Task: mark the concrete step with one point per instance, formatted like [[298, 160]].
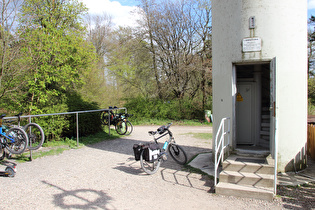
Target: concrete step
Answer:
[[265, 125], [247, 179], [244, 191], [265, 133], [265, 117], [245, 164]]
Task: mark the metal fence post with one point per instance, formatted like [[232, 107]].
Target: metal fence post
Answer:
[[30, 142], [77, 114], [109, 123]]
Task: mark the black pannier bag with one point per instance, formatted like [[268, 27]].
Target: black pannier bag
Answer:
[[151, 152], [137, 149]]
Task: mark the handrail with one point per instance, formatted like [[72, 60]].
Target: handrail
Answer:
[[66, 113], [220, 144]]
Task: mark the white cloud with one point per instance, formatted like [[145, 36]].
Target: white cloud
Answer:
[[121, 15], [310, 4]]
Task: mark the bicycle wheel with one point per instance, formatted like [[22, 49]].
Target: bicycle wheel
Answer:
[[149, 167], [35, 135], [2, 153], [104, 118], [129, 128], [20, 140], [10, 172], [177, 153], [121, 127]]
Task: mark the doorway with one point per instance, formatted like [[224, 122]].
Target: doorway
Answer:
[[252, 102]]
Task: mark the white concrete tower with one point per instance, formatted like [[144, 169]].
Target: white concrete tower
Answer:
[[260, 76]]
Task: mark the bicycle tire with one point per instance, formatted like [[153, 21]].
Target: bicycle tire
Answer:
[[177, 153], [20, 140], [10, 172], [2, 152], [129, 128], [104, 118], [121, 127], [149, 167], [35, 135]]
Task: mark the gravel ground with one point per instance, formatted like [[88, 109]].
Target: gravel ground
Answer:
[[106, 176]]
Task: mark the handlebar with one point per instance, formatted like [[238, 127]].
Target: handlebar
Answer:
[[161, 129]]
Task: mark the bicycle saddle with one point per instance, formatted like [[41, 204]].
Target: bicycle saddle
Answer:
[[152, 132]]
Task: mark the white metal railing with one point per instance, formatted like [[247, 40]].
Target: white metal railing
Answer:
[[220, 146]]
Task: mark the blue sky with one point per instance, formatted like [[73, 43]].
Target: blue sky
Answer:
[[311, 8], [120, 10]]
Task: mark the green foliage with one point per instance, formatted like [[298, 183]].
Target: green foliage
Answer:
[[206, 136], [311, 96], [89, 123], [311, 90], [56, 52], [182, 109], [53, 126]]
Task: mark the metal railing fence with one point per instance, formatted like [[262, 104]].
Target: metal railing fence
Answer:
[[68, 113]]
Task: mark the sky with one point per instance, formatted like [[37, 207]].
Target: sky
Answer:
[[120, 10], [310, 8]]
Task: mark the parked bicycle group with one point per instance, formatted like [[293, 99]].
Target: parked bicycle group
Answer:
[[15, 139], [120, 120]]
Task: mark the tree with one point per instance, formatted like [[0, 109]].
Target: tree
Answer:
[[11, 61], [129, 61], [178, 31], [54, 46], [311, 39]]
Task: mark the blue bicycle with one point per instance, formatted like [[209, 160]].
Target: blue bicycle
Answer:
[[15, 140]]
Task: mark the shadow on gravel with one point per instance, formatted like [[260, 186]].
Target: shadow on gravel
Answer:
[[80, 199], [125, 146], [297, 197]]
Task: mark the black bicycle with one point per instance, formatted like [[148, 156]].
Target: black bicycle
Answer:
[[34, 132], [122, 125], [151, 155]]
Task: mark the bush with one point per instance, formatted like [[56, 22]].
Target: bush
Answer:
[[89, 123], [158, 109], [53, 126]]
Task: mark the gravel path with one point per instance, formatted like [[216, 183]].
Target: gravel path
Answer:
[[106, 176]]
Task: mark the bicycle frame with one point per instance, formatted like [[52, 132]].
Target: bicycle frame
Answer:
[[4, 134], [167, 142]]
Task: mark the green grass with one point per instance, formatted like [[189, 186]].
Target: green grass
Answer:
[[201, 135], [57, 147]]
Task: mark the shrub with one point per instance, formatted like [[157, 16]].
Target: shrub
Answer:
[[89, 123], [158, 109]]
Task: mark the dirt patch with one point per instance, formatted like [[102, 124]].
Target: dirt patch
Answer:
[[297, 197]]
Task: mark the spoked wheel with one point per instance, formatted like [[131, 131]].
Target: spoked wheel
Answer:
[[177, 153], [2, 153], [10, 172], [150, 167], [19, 141], [121, 127], [105, 118], [129, 128], [35, 135]]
